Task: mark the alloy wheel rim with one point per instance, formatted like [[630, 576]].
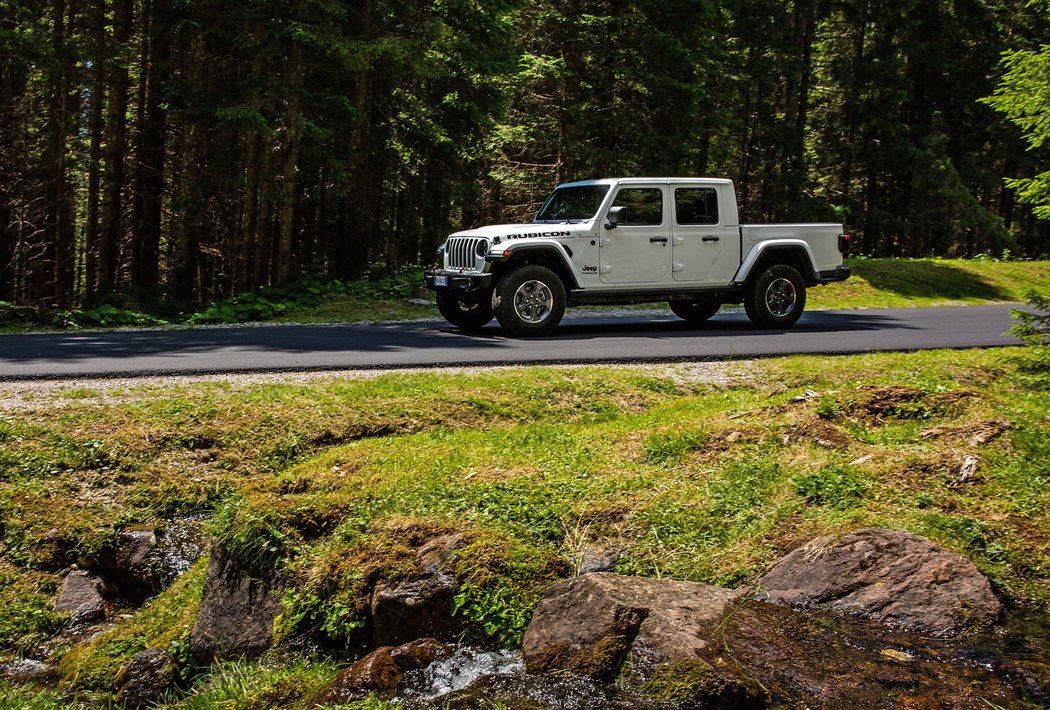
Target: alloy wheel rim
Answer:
[[533, 301], [781, 297]]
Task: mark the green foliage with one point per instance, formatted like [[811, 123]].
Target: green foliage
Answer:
[[105, 316], [245, 685], [255, 538], [838, 487], [31, 697], [1033, 368], [666, 448], [268, 303], [1023, 95], [500, 611], [27, 613], [309, 293]]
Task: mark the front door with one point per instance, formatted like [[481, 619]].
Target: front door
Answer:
[[638, 250]]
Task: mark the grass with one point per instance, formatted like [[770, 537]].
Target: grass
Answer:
[[906, 283], [703, 472]]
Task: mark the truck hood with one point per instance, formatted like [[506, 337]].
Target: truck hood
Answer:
[[527, 231]]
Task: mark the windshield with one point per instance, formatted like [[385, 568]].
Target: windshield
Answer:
[[572, 203]]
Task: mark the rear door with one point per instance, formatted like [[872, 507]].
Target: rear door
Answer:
[[638, 250], [700, 239]]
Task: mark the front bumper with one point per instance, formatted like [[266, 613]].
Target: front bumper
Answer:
[[466, 287]]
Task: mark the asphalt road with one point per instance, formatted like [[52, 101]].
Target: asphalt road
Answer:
[[631, 338]]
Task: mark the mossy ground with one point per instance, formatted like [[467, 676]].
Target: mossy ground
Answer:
[[702, 472]]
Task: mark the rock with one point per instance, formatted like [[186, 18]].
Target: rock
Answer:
[[589, 624], [420, 606], [377, 673], [145, 678], [136, 566], [433, 555], [599, 559], [821, 660], [421, 653], [416, 609], [891, 576], [82, 595], [237, 611], [382, 670], [27, 670]]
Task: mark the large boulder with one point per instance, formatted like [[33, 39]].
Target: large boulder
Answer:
[[894, 577], [589, 624], [237, 610], [672, 644]]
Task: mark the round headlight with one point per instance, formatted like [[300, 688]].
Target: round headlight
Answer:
[[482, 249]]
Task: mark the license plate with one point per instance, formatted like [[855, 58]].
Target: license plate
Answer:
[[441, 281]]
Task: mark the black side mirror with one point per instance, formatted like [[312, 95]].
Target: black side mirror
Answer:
[[613, 218]]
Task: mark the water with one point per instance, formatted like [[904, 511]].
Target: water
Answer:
[[184, 541], [458, 671]]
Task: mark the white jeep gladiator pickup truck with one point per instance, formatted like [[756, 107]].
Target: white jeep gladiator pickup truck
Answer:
[[634, 240]]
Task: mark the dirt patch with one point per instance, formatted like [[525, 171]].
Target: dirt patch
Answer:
[[879, 403], [976, 434], [819, 432]]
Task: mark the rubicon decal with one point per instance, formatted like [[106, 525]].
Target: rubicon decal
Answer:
[[539, 235]]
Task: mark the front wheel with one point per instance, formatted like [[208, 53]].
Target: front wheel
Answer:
[[464, 316], [776, 297], [529, 301], [694, 311]]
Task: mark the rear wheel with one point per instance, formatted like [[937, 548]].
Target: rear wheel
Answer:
[[529, 301], [776, 297], [465, 316], [694, 311]]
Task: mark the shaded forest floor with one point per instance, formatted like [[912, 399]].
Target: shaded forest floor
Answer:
[[876, 283]]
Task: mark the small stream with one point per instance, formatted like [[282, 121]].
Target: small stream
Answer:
[[458, 671]]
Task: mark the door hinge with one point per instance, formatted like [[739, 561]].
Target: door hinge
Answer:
[[604, 242], [606, 268], [677, 241], [678, 267]]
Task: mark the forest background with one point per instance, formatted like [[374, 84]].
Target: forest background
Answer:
[[168, 153]]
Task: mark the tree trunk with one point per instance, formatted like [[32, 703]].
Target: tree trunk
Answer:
[[111, 228], [54, 277], [287, 192], [149, 176], [98, 91]]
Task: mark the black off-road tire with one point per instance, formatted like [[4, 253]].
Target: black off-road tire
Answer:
[[463, 315], [529, 301], [694, 311], [775, 297]]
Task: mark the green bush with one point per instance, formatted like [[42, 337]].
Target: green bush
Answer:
[[104, 316], [1033, 367]]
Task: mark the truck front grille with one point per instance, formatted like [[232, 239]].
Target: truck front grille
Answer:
[[462, 253]]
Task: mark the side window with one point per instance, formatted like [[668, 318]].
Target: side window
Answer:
[[696, 205], [645, 206]]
